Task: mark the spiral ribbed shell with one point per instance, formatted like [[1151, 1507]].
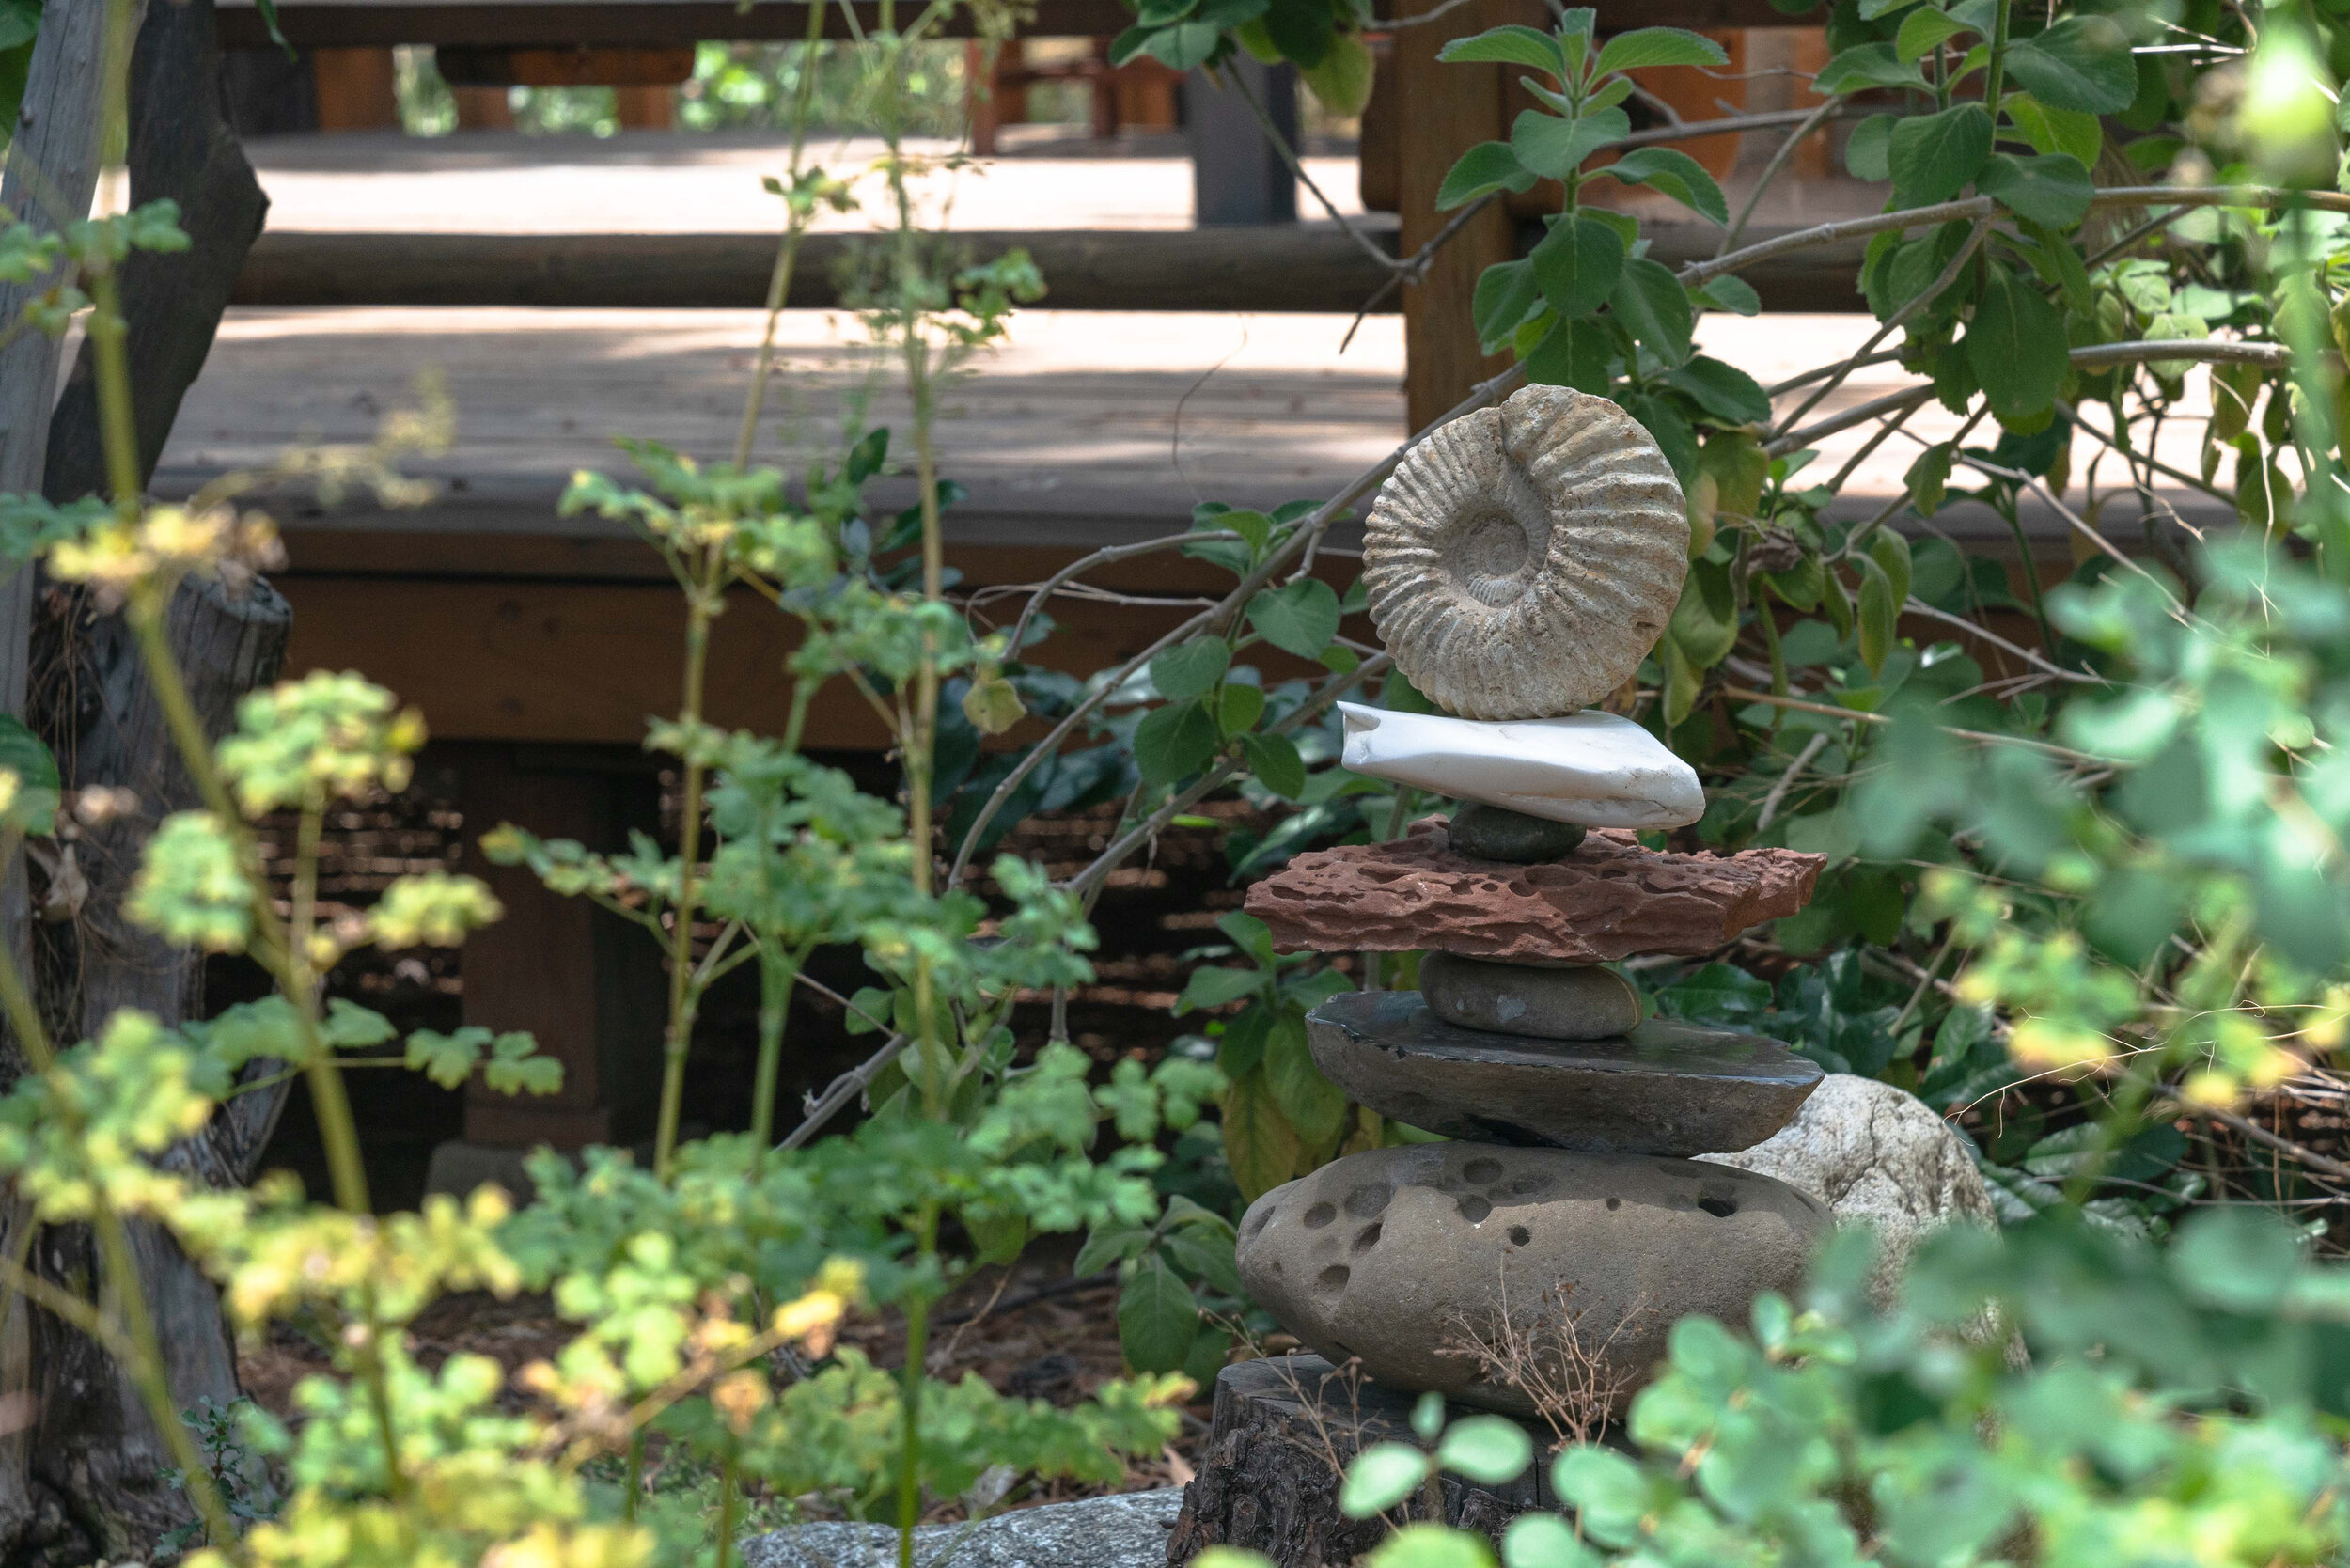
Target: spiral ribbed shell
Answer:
[[1522, 559]]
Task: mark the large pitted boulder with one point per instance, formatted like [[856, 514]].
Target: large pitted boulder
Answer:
[[1872, 1152], [1610, 899], [1412, 1258]]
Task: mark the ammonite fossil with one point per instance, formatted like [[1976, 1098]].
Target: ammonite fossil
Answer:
[[1522, 559]]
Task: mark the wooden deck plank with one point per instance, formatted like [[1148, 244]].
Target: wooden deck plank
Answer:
[[352, 23]]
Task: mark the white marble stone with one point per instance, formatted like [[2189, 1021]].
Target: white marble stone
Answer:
[[1592, 767]]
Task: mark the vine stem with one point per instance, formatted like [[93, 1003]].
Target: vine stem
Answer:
[[787, 254], [701, 607]]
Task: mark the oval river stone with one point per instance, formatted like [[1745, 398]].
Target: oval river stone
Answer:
[[1539, 1001], [1664, 1088], [1409, 1258]]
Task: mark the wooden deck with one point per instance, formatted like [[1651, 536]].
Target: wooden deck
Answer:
[[1088, 428]]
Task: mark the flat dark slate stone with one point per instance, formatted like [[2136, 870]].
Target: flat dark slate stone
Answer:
[[1667, 1088]]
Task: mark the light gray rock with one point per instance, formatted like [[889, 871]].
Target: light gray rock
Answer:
[[1871, 1151], [1667, 1088], [1594, 768], [1401, 1256], [1538, 1001], [1126, 1532]]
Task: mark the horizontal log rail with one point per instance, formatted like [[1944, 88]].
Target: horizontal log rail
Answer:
[[345, 23], [1285, 268]]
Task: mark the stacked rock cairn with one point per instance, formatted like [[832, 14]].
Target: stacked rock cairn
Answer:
[[1519, 565]]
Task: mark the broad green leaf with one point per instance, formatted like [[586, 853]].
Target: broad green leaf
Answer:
[[1259, 1142], [1432, 1545], [2057, 130], [993, 705], [1576, 264], [1730, 293], [1489, 1449], [1671, 428], [1654, 306], [1929, 476], [1185, 46], [1110, 1243], [1343, 78], [1250, 935], [2052, 189], [1879, 610], [1643, 47], [2016, 346], [1555, 147], [1505, 294], [1191, 668], [1486, 167], [29, 780], [1275, 762], [1314, 1105], [1544, 1541], [1676, 174], [1304, 33], [1174, 742], [1704, 624], [1239, 709], [2083, 63], [1924, 29], [1157, 1317], [1573, 353], [1382, 1476], [1298, 617], [1864, 66], [1869, 154], [1208, 1255], [1609, 1494], [1683, 680], [1510, 45], [1723, 391], [1218, 987], [1934, 156]]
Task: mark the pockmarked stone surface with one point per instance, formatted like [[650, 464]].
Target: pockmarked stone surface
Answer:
[[1874, 1152], [1522, 560], [1667, 1088], [1594, 768], [1609, 900], [1126, 1532], [1484, 832], [1540, 1001], [1402, 1256]]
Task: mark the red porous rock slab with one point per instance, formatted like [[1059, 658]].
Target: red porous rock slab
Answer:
[[1610, 899]]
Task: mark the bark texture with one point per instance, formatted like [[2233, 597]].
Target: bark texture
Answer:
[[181, 149], [1283, 1431], [97, 1487], [94, 1449]]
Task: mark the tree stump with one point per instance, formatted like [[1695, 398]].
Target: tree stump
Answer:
[[1284, 1429]]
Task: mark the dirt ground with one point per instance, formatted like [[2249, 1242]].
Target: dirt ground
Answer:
[[1032, 1332]]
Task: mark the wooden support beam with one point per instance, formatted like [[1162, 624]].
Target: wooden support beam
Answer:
[[1443, 111], [588, 662], [1281, 267], [584, 982], [310, 23]]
